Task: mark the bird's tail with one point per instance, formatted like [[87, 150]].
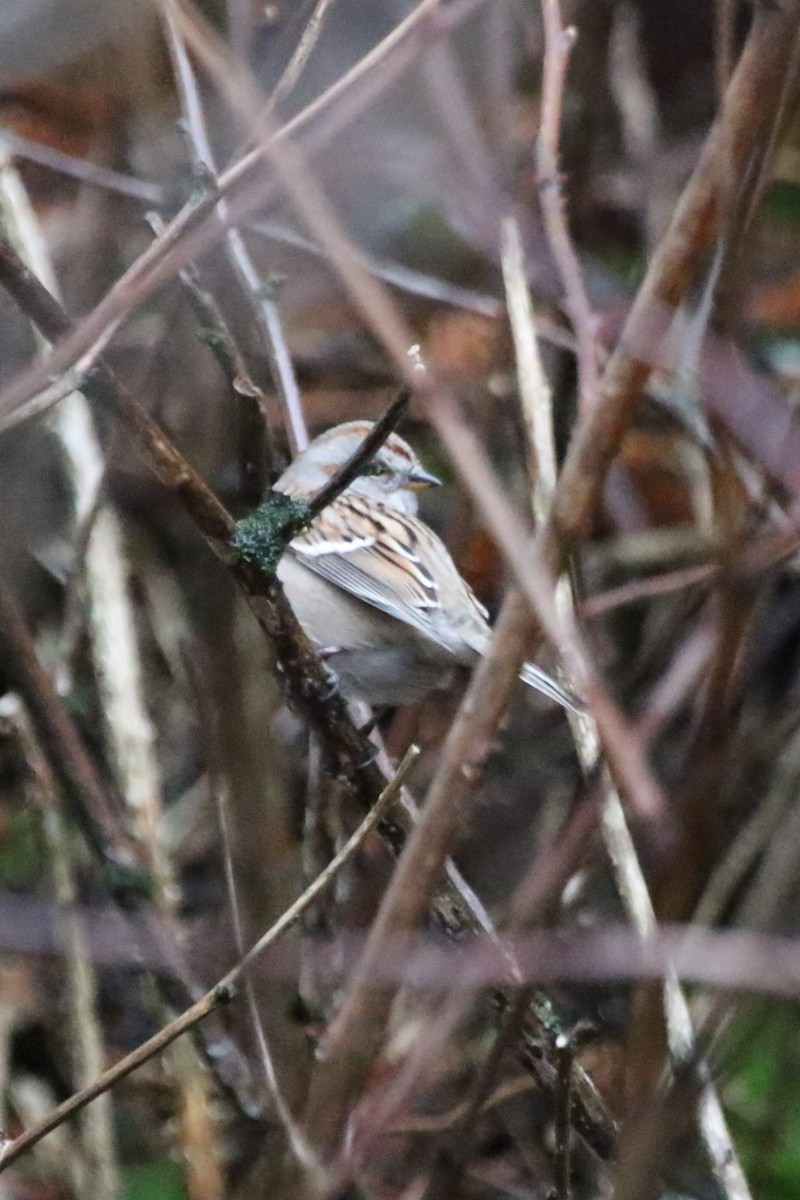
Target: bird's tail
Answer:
[[548, 687]]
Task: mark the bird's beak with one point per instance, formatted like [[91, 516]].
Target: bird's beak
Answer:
[[420, 480]]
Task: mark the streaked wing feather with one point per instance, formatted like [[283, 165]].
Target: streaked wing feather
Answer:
[[400, 572]]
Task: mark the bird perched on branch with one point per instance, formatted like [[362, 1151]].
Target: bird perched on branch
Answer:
[[373, 586]]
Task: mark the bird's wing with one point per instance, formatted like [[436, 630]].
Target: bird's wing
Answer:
[[541, 681], [393, 561]]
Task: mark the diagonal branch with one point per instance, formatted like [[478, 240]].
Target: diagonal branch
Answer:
[[361, 456], [558, 43]]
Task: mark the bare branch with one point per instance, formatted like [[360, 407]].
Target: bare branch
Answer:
[[557, 45], [261, 305], [534, 389], [82, 169], [302, 51], [216, 332]]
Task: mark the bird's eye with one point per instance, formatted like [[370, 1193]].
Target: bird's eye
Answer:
[[376, 467]]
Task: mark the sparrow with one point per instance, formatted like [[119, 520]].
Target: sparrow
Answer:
[[374, 588]]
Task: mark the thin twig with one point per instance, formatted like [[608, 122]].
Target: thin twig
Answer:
[[82, 169], [215, 330], [557, 45], [534, 389], [261, 305], [452, 1158], [71, 381], [475, 179], [756, 833], [775, 881], [291, 170], [749, 561], [630, 85], [223, 991], [294, 1134], [637, 590], [406, 279], [302, 51]]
